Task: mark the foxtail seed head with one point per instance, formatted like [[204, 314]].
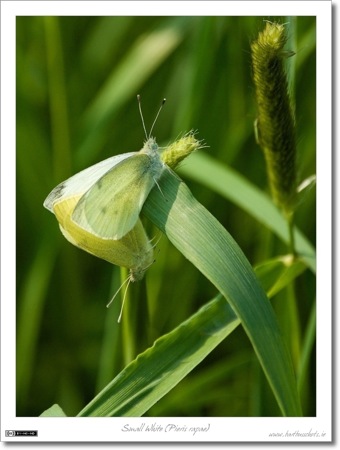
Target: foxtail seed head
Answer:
[[174, 154], [275, 123]]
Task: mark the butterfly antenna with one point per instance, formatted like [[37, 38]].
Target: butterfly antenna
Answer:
[[141, 115], [160, 109]]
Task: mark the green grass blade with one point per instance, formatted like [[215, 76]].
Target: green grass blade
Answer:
[[204, 242], [235, 187], [57, 99], [278, 273], [33, 298], [53, 411], [307, 347], [207, 385], [156, 371]]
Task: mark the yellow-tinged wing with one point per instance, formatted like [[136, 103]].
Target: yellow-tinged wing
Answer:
[[111, 207]]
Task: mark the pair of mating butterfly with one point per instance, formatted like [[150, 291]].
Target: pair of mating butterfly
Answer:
[[98, 208]]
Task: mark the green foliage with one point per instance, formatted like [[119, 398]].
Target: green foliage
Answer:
[[53, 411], [77, 81]]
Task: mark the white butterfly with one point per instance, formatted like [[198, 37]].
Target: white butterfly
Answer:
[[113, 191]]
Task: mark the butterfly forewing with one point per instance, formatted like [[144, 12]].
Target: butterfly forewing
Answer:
[[82, 181], [111, 207]]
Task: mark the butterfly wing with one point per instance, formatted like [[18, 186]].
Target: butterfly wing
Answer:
[[82, 181], [111, 207]]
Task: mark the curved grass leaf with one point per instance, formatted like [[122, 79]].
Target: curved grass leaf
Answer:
[[204, 242], [235, 187], [202, 239]]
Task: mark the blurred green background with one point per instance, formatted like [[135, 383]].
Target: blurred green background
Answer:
[[77, 81]]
